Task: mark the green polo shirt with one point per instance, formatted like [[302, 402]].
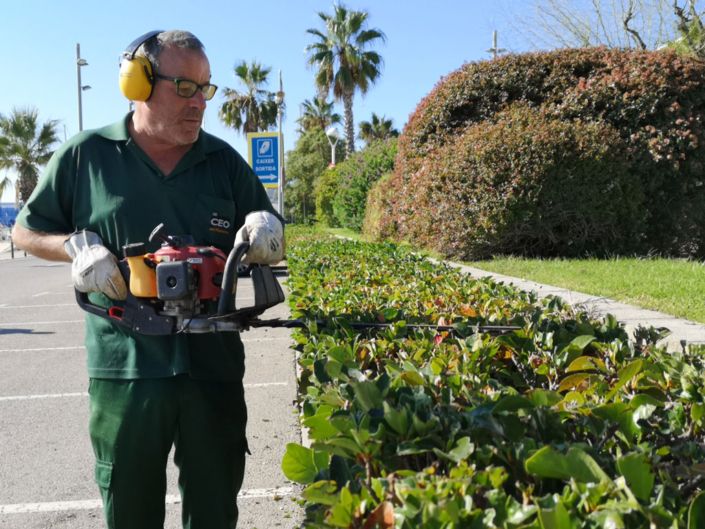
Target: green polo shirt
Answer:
[[102, 181]]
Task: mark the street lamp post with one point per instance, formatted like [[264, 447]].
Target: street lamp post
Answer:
[[81, 87], [495, 50], [333, 136], [279, 99]]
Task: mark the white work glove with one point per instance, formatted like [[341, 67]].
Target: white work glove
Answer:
[[265, 234], [94, 268]]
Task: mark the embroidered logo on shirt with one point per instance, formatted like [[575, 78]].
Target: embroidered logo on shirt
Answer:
[[219, 224]]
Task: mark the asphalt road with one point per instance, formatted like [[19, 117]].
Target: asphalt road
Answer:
[[46, 461]]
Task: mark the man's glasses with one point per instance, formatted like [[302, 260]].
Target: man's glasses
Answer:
[[186, 88]]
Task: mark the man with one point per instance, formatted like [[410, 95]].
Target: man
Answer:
[[111, 187]]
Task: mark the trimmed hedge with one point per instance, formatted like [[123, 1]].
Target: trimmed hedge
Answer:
[[566, 423], [648, 105]]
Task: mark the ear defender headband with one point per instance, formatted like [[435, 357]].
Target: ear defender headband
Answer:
[[136, 72]]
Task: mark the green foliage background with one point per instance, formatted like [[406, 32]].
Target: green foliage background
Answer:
[[309, 159], [341, 194]]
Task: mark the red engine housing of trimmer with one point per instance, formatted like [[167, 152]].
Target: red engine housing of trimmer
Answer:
[[207, 261]]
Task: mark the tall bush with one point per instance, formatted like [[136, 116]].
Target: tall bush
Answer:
[[652, 100], [345, 189], [304, 164], [325, 191], [528, 184]]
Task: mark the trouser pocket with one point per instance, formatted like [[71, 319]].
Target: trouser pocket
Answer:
[[103, 478]]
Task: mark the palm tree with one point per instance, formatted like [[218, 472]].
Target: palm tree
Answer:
[[377, 129], [5, 183], [25, 147], [317, 113], [253, 110], [342, 60]]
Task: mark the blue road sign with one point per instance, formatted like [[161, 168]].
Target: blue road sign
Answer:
[[263, 151]]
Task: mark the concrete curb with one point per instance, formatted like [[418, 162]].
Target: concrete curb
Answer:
[[686, 331], [683, 331]]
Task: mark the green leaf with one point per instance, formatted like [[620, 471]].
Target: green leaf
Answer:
[[413, 378], [333, 368], [608, 518], [319, 425], [643, 399], [341, 354], [367, 395], [636, 470], [586, 363], [696, 512], [462, 450], [298, 464], [622, 414], [556, 518], [390, 314], [343, 446], [396, 420], [625, 375], [573, 381], [544, 397], [579, 343], [512, 403], [323, 492], [341, 514], [319, 370], [697, 412], [576, 464]]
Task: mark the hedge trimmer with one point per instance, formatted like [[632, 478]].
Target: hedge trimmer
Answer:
[[187, 288]]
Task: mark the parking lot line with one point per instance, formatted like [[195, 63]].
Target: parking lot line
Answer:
[[85, 394], [68, 347], [14, 323], [87, 505], [44, 396], [38, 306]]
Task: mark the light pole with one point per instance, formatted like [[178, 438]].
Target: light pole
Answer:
[[333, 136], [81, 87], [279, 99], [494, 50]]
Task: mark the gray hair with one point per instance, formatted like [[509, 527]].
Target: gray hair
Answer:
[[175, 38]]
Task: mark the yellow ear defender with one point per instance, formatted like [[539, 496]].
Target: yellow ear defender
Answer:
[[136, 72]]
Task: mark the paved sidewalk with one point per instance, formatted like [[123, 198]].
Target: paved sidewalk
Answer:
[[630, 315], [46, 461]]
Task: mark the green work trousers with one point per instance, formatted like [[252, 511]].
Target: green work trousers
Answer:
[[133, 425]]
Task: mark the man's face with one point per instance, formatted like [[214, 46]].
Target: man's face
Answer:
[[176, 120]]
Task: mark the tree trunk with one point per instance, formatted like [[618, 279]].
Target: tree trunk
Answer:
[[349, 125], [25, 185]]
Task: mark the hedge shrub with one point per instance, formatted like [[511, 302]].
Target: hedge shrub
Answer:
[[528, 184], [565, 423], [344, 190], [325, 190], [652, 101]]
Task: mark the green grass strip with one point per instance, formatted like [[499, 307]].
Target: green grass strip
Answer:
[[673, 286]]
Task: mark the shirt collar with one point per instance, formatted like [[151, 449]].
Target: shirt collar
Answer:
[[118, 131]]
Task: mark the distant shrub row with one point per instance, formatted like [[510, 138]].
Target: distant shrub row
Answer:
[[572, 152]]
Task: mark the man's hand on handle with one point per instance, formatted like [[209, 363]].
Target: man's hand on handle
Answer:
[[94, 268], [265, 234]]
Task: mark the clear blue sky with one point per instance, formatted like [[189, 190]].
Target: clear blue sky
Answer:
[[425, 41]]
